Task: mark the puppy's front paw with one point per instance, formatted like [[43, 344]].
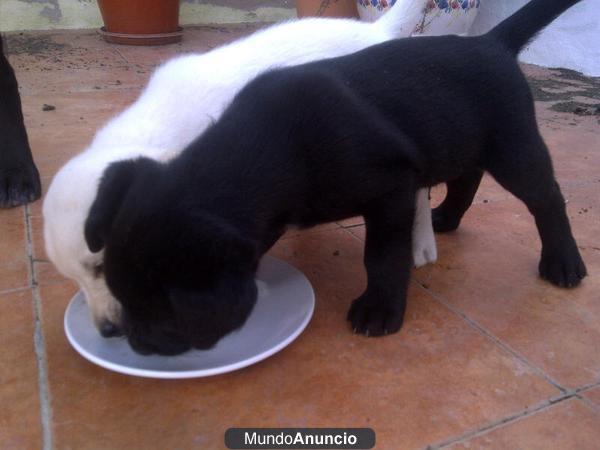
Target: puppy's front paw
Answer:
[[564, 269], [19, 185], [370, 316]]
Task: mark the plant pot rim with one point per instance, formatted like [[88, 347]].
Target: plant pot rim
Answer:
[[142, 39]]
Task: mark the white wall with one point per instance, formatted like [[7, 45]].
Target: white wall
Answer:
[[572, 41]]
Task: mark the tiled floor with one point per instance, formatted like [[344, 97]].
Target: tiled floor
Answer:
[[490, 356]]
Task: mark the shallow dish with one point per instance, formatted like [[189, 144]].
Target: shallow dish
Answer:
[[284, 307]]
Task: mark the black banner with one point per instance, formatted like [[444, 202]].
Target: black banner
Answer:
[[300, 438]]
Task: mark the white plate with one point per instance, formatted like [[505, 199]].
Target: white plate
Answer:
[[284, 307]]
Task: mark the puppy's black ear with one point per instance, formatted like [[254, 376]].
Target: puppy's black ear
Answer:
[[113, 187]]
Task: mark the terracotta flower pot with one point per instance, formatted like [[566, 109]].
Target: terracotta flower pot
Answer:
[[326, 8], [140, 22]]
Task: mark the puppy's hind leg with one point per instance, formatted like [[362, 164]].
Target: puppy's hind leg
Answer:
[[424, 248], [461, 192], [530, 178], [380, 309]]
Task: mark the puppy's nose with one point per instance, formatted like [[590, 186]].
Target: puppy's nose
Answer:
[[109, 329]]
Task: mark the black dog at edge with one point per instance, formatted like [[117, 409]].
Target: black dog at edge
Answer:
[[317, 143], [19, 178]]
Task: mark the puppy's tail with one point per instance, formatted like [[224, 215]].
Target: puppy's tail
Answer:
[[517, 30], [402, 19]]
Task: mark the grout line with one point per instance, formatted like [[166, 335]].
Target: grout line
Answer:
[[39, 343], [582, 390], [120, 54], [28, 246], [587, 387], [13, 290], [547, 404], [494, 339], [349, 231], [349, 227], [589, 403]]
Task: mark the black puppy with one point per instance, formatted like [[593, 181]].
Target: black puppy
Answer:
[[317, 143], [19, 178]]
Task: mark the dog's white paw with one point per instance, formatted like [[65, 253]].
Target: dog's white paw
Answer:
[[424, 252], [423, 247]]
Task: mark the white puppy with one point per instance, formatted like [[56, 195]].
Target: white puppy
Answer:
[[182, 98]]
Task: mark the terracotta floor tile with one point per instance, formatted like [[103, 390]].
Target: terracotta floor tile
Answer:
[[37, 238], [69, 62], [13, 250], [352, 222], [45, 43], [54, 52], [584, 212], [567, 425], [46, 273], [574, 149], [14, 274], [20, 426], [488, 270], [593, 395], [398, 385], [214, 36], [359, 231], [489, 192], [294, 232], [150, 57], [70, 81], [195, 40], [78, 111], [57, 136]]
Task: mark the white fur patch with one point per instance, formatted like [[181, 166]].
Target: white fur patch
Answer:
[[423, 245]]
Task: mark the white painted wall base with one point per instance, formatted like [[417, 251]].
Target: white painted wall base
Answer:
[[572, 41]]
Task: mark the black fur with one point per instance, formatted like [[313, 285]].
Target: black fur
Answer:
[[356, 135], [19, 178]]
